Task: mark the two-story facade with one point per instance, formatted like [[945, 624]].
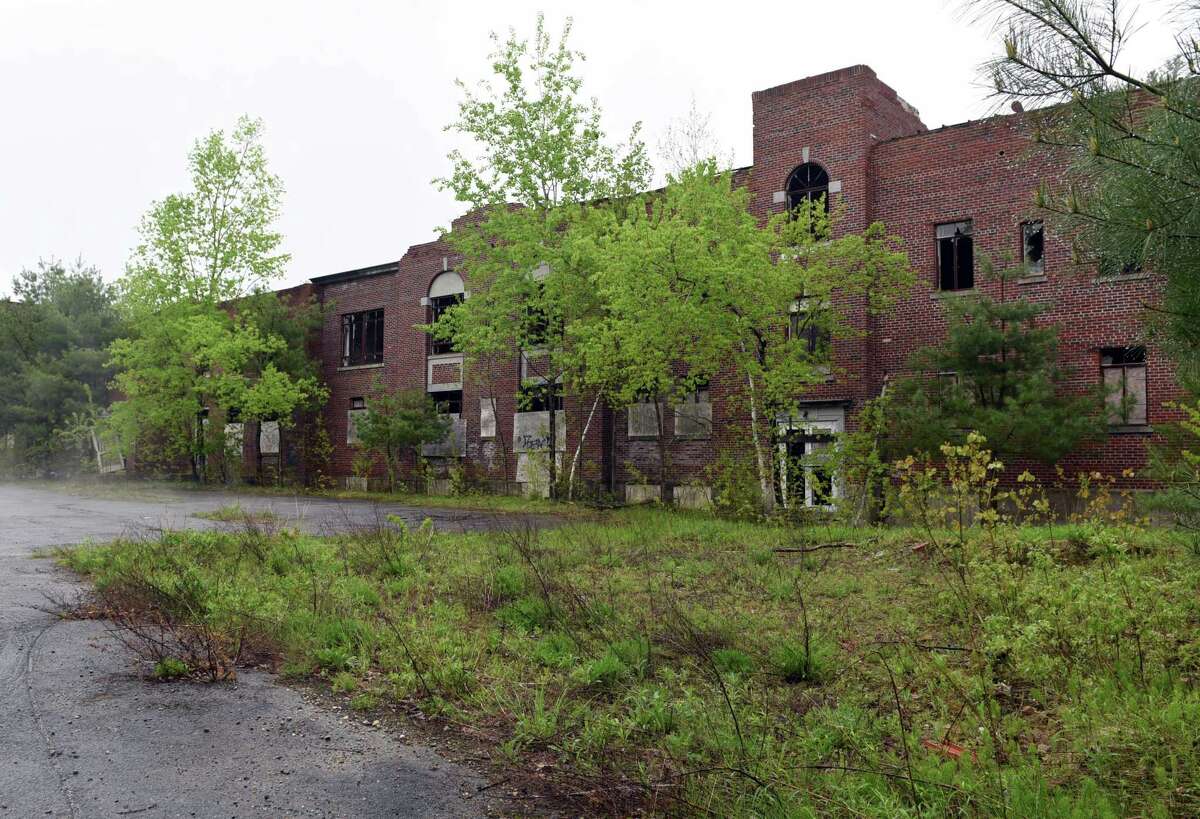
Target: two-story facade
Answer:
[[955, 195]]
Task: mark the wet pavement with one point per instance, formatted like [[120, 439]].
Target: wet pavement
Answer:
[[83, 735]]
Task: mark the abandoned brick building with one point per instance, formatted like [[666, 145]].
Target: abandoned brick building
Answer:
[[953, 194]]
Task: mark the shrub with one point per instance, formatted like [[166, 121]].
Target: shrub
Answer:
[[170, 668]]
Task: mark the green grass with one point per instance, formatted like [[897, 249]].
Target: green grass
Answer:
[[662, 658], [234, 513]]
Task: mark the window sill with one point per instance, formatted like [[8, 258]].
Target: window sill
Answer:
[[692, 437], [642, 437], [1131, 429], [1038, 279], [360, 367], [938, 295]]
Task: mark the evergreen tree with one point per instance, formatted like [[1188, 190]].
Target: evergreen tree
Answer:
[[1132, 196], [997, 373], [53, 362]]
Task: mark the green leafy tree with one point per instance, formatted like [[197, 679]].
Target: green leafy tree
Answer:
[[996, 373], [697, 289], [1133, 191], [396, 424], [204, 335], [54, 337], [1175, 464], [543, 166]]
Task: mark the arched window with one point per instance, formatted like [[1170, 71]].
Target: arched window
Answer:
[[444, 292], [810, 183]]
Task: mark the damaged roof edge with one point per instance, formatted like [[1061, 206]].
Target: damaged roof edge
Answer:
[[358, 273]]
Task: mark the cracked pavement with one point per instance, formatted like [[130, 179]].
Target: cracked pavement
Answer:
[[83, 735]]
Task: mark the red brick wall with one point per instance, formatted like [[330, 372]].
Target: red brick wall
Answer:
[[891, 169]]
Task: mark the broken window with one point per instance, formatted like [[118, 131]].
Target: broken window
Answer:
[[358, 408], [1124, 373], [805, 326], [1033, 242], [449, 402], [1110, 266], [808, 183], [956, 256], [445, 291], [438, 305], [536, 397], [805, 473], [362, 338]]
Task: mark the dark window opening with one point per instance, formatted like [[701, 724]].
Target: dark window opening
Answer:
[[956, 256], [808, 183], [1033, 242], [814, 337], [448, 402], [805, 478], [540, 397], [233, 415], [362, 338], [358, 403], [699, 395], [438, 305], [1124, 372], [1110, 266]]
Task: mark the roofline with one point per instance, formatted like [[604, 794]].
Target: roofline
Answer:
[[359, 273]]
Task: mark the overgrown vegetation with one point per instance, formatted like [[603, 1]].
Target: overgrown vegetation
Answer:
[[983, 662], [1134, 138], [54, 337]]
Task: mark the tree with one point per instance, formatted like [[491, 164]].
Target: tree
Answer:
[[1132, 191], [53, 360], [544, 165], [397, 424], [193, 291], [997, 373], [697, 289]]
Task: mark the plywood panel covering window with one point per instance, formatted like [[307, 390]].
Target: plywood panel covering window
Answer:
[[1124, 373]]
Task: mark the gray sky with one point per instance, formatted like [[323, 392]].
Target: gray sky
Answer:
[[103, 98]]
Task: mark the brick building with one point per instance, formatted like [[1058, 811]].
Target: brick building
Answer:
[[954, 195]]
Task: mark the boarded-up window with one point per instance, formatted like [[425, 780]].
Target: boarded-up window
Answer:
[[643, 420], [693, 416], [1124, 373], [487, 418], [358, 408], [268, 438]]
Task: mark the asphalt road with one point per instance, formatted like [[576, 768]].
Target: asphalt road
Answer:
[[83, 735]]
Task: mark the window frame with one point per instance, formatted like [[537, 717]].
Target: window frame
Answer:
[[357, 328], [438, 305], [956, 239], [808, 191], [1132, 357], [1038, 267]]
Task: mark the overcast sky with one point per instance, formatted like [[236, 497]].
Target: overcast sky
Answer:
[[101, 99]]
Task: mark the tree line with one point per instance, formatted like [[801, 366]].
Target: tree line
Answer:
[[612, 291]]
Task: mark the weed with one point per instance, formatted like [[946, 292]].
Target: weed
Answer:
[[170, 668]]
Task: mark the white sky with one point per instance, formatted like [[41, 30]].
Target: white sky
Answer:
[[101, 99]]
